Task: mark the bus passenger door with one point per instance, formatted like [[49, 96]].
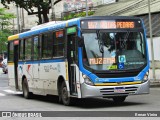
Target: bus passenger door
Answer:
[[16, 55], [72, 56]]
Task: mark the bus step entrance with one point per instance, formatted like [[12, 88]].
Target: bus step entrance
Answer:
[[73, 81]]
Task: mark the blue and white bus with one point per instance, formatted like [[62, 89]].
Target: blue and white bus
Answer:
[[81, 58]]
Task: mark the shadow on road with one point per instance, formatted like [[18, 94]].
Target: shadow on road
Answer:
[[88, 103], [102, 103]]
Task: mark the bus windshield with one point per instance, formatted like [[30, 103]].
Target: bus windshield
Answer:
[[122, 50]]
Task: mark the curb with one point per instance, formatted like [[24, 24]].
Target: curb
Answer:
[[154, 83]]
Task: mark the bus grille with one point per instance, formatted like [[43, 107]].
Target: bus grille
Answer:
[[110, 91], [117, 75]]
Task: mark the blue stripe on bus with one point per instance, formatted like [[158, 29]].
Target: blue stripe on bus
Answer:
[[41, 61], [145, 34], [25, 34], [82, 69]]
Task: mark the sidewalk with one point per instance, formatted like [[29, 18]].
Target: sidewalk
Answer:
[[1, 71], [156, 82]]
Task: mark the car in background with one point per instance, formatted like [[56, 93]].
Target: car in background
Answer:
[[4, 66], [0, 64]]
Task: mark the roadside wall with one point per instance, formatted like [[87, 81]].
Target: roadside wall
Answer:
[[156, 48]]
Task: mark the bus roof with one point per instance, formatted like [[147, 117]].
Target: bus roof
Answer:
[[44, 28], [61, 24], [46, 24]]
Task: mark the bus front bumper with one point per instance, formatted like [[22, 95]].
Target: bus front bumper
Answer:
[[110, 91]]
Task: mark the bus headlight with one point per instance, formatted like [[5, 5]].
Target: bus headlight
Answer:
[[87, 80], [145, 78]]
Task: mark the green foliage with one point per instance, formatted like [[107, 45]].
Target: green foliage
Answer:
[[76, 15], [5, 30], [42, 6], [91, 13]]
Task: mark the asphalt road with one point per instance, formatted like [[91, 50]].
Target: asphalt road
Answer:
[[14, 101]]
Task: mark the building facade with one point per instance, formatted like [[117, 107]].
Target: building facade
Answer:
[[28, 21]]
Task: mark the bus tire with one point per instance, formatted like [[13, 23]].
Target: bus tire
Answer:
[[25, 88], [66, 100], [119, 99]]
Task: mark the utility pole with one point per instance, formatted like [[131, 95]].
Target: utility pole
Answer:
[[53, 12], [18, 29], [86, 8], [13, 26], [23, 23], [151, 40]]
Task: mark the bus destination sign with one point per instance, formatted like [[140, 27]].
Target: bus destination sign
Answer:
[[109, 24]]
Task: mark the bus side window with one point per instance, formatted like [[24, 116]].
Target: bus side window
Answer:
[[58, 44], [35, 47], [47, 40], [10, 51], [21, 50], [28, 48], [44, 45]]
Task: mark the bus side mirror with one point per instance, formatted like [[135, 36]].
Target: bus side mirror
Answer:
[[80, 41], [77, 42]]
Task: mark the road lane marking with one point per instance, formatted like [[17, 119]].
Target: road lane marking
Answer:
[[9, 92], [1, 94], [12, 92]]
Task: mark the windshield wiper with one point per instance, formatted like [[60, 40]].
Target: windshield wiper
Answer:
[[123, 44], [126, 36], [100, 42]]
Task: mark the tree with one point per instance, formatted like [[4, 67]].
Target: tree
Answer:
[[76, 15], [42, 6], [5, 30]]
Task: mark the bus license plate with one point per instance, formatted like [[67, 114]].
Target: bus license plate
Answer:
[[119, 89]]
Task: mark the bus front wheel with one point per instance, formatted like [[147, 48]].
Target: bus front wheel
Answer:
[[25, 88], [119, 99], [66, 100]]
